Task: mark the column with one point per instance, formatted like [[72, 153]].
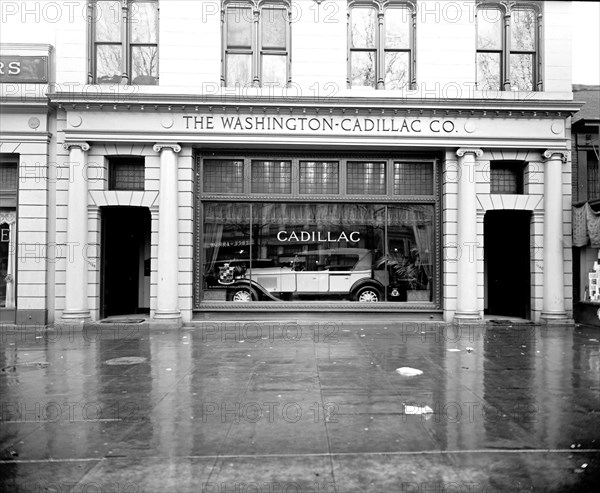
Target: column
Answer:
[[167, 292], [76, 289], [466, 302], [553, 306]]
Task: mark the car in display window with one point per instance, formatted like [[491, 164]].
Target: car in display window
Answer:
[[344, 273]]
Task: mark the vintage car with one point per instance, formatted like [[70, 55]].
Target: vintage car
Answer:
[[343, 273]]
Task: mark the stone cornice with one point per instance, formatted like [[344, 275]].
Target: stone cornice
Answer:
[[364, 105]]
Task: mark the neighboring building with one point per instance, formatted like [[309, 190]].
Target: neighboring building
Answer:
[[586, 202], [391, 158]]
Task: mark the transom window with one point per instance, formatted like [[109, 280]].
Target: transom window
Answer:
[[124, 45], [281, 176], [508, 46], [506, 177], [126, 173], [381, 37], [9, 174], [256, 44]]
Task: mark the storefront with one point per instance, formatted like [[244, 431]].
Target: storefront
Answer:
[[256, 210]]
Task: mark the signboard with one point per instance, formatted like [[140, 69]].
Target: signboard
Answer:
[[24, 69]]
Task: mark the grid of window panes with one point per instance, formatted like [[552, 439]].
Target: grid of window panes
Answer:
[[493, 71], [271, 177], [413, 179], [8, 175], [223, 176], [506, 178], [319, 177], [126, 174], [139, 46], [593, 182], [366, 178]]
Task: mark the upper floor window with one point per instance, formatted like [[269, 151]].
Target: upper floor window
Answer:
[[256, 41], [508, 46], [124, 45], [381, 44]]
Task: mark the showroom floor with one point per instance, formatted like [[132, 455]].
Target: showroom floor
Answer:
[[319, 407]]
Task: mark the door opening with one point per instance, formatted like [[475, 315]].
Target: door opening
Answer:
[[125, 260], [507, 263]]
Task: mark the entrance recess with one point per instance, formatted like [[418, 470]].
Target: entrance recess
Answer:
[[507, 263], [125, 260]]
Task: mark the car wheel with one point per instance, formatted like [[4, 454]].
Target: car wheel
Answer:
[[242, 295], [368, 294]]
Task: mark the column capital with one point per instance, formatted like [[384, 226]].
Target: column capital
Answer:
[[465, 150], [564, 155], [84, 146], [167, 145]]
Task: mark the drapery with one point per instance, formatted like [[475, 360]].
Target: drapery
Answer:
[[586, 226]]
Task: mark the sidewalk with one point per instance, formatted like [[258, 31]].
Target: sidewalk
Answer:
[[320, 407]]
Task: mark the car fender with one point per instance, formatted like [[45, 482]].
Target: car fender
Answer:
[[260, 291], [367, 282]]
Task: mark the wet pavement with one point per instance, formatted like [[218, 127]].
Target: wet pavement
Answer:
[[319, 407]]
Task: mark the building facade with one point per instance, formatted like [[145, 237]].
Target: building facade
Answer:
[[216, 159]]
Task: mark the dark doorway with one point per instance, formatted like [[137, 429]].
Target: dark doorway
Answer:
[[507, 263], [125, 260]]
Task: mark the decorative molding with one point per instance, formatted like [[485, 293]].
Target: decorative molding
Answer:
[[465, 150], [8, 217], [84, 146], [160, 146], [564, 155]]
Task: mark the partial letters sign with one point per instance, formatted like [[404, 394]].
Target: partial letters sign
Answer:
[[24, 69]]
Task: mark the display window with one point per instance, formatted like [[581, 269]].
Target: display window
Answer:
[[316, 250]]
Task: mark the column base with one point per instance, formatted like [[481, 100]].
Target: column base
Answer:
[[469, 316], [167, 314], [76, 315], [555, 318]]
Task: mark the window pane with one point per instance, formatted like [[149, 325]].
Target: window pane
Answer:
[[144, 65], [363, 68], [239, 27], [8, 176], [366, 178], [522, 30], [107, 18], [108, 63], [238, 69], [507, 179], [410, 252], [397, 28], [413, 179], [127, 174], [223, 176], [144, 22], [271, 177], [225, 249], [396, 69], [489, 29], [274, 70], [364, 28], [488, 71], [593, 181], [521, 72], [273, 23], [319, 177]]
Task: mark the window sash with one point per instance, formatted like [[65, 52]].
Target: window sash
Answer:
[[125, 44], [507, 79], [256, 49], [380, 48]]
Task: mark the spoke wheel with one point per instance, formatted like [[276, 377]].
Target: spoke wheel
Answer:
[[242, 295], [368, 295]]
